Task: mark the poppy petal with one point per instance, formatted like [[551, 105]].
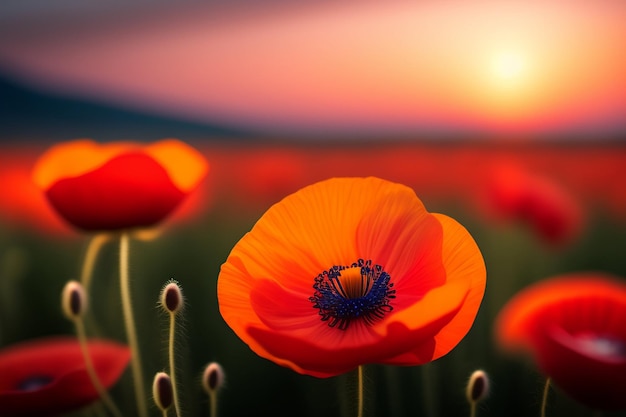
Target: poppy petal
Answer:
[[277, 248], [573, 326], [377, 343], [75, 158], [130, 190], [297, 239], [328, 351], [589, 371], [463, 262], [464, 271], [409, 247], [184, 165], [386, 231], [273, 280], [119, 185], [584, 294], [293, 242], [48, 376]]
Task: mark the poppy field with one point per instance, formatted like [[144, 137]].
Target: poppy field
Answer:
[[251, 278]]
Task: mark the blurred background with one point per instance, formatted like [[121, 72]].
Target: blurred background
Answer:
[[508, 116]]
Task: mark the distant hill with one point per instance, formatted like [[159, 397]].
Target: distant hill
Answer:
[[30, 114]]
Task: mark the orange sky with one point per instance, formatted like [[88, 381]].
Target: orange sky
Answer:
[[494, 67]]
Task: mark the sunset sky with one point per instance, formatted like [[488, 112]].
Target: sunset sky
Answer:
[[493, 68]]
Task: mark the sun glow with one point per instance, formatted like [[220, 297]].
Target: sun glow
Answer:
[[488, 66], [509, 66], [512, 86]]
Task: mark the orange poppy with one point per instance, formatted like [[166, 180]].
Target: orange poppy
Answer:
[[573, 325], [352, 271], [118, 185]]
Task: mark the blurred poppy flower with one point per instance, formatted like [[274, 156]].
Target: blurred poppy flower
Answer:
[[351, 271], [118, 185], [515, 193], [270, 174], [21, 202], [573, 325], [47, 377]]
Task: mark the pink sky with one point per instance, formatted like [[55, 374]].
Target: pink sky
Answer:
[[501, 68]]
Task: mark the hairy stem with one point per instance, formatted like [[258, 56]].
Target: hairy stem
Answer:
[[172, 365]]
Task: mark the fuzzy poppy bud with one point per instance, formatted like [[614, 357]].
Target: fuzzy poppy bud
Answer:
[[213, 377], [172, 297], [73, 300], [162, 391], [477, 387]]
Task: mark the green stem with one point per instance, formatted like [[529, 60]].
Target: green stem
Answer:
[[131, 333], [544, 401], [213, 399], [172, 365], [104, 395], [360, 391], [473, 409], [86, 276], [95, 244]]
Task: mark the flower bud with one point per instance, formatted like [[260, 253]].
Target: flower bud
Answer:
[[73, 300], [162, 391], [477, 387], [172, 297], [213, 377]]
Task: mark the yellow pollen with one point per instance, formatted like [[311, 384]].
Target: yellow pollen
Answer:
[[352, 282]]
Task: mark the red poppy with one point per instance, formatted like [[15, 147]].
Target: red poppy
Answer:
[[573, 326], [118, 185], [47, 377], [351, 271], [21, 202], [518, 194], [268, 174]]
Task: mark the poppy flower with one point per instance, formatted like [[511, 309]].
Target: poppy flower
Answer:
[[118, 185], [268, 174], [47, 377], [352, 271], [547, 207], [573, 326], [21, 202]]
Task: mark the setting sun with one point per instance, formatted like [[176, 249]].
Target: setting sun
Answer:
[[498, 68], [509, 66]]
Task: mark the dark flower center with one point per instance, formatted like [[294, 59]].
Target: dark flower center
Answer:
[[356, 292], [33, 383]]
